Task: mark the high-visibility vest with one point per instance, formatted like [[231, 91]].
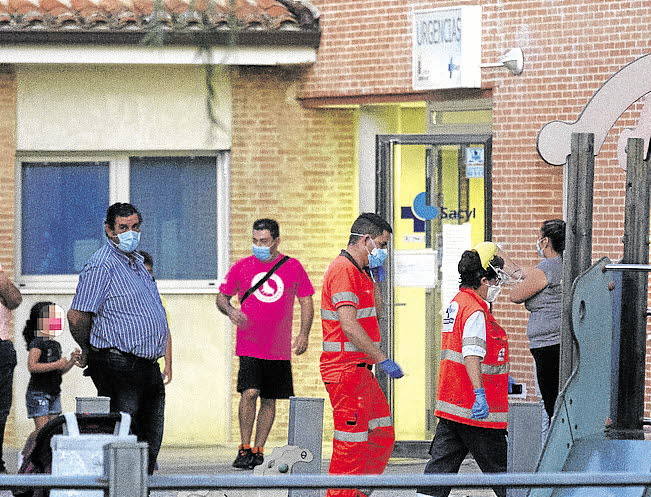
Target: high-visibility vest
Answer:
[[345, 284], [455, 392]]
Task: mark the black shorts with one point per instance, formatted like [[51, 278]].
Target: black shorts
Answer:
[[272, 378]]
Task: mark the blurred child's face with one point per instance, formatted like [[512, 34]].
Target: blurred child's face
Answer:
[[51, 324]]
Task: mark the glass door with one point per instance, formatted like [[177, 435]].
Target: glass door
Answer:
[[435, 192]]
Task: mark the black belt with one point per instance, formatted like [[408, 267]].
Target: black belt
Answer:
[[118, 352], [364, 365]]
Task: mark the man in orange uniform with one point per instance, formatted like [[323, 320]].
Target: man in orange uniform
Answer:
[[472, 399], [363, 437]]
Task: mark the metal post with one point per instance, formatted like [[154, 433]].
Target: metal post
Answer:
[[125, 467], [306, 431], [629, 409], [525, 440], [578, 237]]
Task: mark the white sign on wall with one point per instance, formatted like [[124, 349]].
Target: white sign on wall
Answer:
[[416, 268], [446, 48]]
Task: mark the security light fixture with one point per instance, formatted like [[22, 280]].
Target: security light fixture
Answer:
[[513, 60]]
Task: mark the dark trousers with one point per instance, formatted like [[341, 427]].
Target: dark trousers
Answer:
[[451, 444], [135, 386], [547, 361], [7, 365]]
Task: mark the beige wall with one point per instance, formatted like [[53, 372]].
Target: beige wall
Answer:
[[104, 107], [130, 109], [197, 408]]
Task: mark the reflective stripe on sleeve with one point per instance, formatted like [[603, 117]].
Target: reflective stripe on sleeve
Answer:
[[493, 417], [329, 315], [495, 369], [366, 312], [379, 422], [345, 297], [474, 341], [453, 356], [337, 346], [347, 436]]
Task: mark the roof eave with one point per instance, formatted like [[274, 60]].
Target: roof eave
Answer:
[[303, 38]]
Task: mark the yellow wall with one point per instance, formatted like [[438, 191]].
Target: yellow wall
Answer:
[[134, 109], [416, 335], [120, 108], [409, 394], [197, 410]]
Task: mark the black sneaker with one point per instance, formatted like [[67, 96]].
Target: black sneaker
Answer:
[[257, 459], [243, 459]]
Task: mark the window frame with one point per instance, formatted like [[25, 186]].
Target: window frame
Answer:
[[119, 183]]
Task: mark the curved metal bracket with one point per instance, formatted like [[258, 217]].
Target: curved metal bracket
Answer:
[[623, 88]]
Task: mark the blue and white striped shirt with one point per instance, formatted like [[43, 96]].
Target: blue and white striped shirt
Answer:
[[124, 298]]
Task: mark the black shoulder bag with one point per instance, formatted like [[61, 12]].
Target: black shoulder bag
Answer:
[[263, 279]]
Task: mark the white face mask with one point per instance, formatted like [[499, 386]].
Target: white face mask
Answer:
[[493, 292]]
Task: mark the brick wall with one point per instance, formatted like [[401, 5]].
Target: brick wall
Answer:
[[571, 48], [296, 166], [7, 182]]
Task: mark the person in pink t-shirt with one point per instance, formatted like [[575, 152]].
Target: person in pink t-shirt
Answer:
[[264, 333]]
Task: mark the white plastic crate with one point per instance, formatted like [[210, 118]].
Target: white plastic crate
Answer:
[[75, 454]]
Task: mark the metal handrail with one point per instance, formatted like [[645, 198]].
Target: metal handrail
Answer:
[[627, 267], [11, 482], [478, 480]]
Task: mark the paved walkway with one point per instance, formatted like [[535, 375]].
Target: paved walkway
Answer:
[[211, 460], [218, 459]]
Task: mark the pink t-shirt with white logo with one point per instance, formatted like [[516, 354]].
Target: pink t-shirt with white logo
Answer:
[[270, 309]]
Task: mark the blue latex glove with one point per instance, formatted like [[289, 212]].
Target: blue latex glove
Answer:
[[511, 383], [480, 407], [391, 368]]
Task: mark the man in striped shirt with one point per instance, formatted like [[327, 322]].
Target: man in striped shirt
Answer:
[[117, 318]]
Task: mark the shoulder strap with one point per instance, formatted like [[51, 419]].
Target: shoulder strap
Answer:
[[263, 279]]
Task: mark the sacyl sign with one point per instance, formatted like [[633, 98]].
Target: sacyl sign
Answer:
[[446, 48]]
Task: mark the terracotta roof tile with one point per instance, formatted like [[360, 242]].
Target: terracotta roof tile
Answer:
[[23, 16]]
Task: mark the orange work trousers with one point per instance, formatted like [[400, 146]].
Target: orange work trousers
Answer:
[[363, 438]]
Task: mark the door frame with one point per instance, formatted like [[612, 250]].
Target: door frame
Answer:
[[384, 207]]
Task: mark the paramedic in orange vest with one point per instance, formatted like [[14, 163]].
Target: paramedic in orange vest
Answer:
[[363, 433], [472, 399]]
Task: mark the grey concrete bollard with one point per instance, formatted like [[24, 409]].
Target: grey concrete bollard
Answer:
[[306, 431], [525, 440], [125, 467]]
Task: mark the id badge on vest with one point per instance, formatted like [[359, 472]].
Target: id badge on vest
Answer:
[[449, 317]]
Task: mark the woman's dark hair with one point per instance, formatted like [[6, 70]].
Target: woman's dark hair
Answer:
[[38, 311], [554, 229], [471, 272]]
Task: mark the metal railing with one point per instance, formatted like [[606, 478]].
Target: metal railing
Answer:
[[403, 481], [125, 476]]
